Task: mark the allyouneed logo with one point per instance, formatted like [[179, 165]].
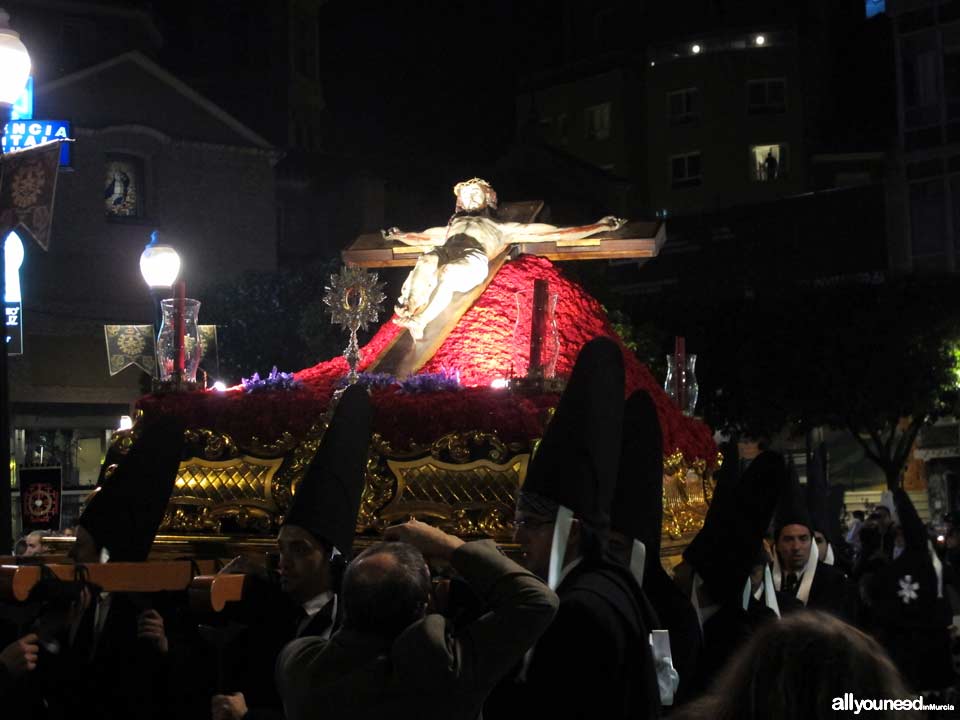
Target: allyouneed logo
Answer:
[[849, 702]]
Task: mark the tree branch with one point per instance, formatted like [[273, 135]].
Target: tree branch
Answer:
[[851, 426], [907, 440]]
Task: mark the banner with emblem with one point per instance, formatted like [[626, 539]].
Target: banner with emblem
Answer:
[[41, 490], [28, 183], [131, 345]]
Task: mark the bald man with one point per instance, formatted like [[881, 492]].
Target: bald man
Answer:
[[394, 658]]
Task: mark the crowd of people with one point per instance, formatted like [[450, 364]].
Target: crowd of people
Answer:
[[765, 617]]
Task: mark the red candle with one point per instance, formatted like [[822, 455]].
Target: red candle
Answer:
[[179, 324]]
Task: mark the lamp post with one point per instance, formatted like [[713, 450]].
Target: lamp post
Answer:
[[160, 266], [14, 71]]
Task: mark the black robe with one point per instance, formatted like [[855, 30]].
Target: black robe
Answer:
[[594, 661], [268, 619], [115, 675], [831, 592], [676, 614]]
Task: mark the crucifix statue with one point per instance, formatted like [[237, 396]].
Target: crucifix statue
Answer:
[[453, 264], [460, 253]]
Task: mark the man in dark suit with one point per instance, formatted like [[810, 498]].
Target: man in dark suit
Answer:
[[108, 652], [797, 569], [393, 659], [595, 660], [314, 542]]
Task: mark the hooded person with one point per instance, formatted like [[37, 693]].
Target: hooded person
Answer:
[[797, 568], [718, 563], [909, 614], [110, 656], [315, 542], [636, 525], [121, 518], [595, 659]]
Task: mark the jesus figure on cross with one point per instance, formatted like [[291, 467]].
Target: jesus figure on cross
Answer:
[[461, 252]]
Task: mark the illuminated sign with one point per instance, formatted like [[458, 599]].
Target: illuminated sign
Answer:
[[13, 318], [23, 108], [875, 7], [20, 134], [12, 308]]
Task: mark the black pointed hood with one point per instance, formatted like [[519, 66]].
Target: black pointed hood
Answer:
[[575, 464], [637, 510], [792, 508], [125, 512], [327, 500], [724, 550]]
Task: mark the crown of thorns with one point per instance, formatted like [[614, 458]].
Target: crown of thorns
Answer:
[[489, 195]]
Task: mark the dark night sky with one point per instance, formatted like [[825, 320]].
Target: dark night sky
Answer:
[[440, 73]]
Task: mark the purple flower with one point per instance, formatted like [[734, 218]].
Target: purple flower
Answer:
[[274, 381]]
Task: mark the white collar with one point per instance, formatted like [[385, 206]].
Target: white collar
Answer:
[[314, 605]]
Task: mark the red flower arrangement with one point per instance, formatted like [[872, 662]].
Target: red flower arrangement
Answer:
[[482, 348]]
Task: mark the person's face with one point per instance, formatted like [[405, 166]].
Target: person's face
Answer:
[[84, 548], [793, 545], [748, 448], [821, 543], [33, 546], [304, 563], [534, 534], [472, 197]]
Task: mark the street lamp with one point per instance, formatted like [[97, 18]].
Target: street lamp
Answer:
[[14, 62], [14, 71], [159, 265]]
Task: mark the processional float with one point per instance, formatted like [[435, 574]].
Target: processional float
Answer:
[[459, 402]]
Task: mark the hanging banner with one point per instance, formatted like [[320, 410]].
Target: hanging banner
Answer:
[[131, 345], [28, 183], [41, 489]]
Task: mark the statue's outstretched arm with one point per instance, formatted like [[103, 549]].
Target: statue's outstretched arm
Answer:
[[431, 237], [541, 232]]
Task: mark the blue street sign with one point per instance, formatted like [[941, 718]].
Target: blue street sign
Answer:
[[20, 134]]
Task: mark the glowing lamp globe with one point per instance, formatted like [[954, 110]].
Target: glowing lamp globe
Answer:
[[159, 263], [14, 62]]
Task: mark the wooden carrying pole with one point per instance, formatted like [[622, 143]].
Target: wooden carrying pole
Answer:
[[207, 591]]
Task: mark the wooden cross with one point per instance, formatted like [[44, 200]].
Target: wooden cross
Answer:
[[635, 240], [403, 357]]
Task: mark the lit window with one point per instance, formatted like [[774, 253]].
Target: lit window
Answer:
[[598, 121], [768, 162], [685, 170], [683, 106], [766, 97], [123, 187]]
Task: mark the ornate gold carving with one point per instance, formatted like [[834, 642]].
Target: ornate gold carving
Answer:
[[687, 492], [210, 445], [466, 482], [281, 446], [467, 499], [207, 492]]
